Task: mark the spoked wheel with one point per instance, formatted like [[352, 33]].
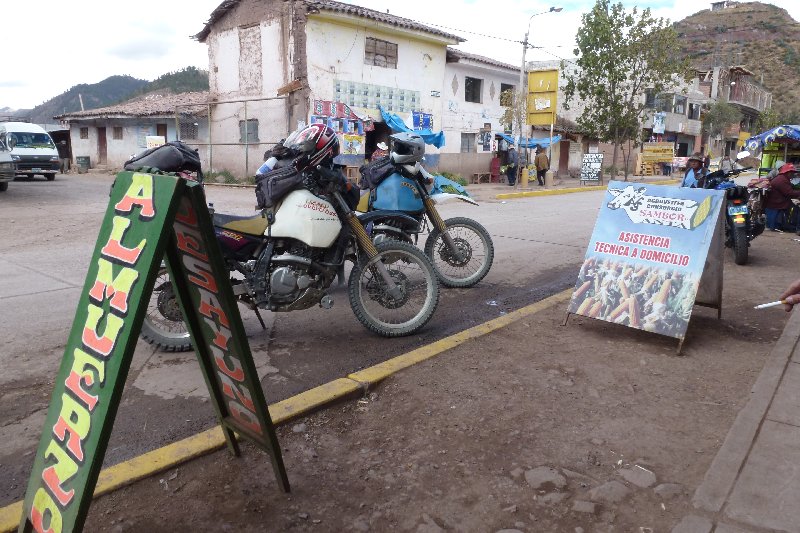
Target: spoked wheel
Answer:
[[475, 253], [401, 309], [163, 325]]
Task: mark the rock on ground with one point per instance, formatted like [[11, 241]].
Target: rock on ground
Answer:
[[540, 476], [610, 492]]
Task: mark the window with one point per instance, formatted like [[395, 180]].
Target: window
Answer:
[[252, 131], [679, 106], [116, 133], [649, 99], [694, 111], [84, 133], [472, 89], [188, 130], [506, 94], [467, 143], [380, 53]]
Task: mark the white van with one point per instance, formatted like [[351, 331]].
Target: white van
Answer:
[[6, 166], [32, 149]]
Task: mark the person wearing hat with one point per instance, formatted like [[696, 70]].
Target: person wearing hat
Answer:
[[695, 175], [779, 197], [381, 150]]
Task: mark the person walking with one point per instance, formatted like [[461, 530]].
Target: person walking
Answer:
[[695, 175], [706, 159], [542, 165], [511, 166], [779, 197], [726, 165]]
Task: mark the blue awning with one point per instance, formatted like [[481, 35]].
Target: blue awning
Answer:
[[397, 124], [544, 142], [786, 133]]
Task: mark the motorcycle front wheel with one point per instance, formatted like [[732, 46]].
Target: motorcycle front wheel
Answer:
[[163, 324], [476, 253], [407, 309]]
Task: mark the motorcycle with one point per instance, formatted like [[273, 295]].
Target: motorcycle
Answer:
[[744, 216], [460, 248], [286, 257]]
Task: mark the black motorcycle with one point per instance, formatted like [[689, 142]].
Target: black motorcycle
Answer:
[[744, 216]]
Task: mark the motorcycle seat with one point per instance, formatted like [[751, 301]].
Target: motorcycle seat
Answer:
[[251, 225]]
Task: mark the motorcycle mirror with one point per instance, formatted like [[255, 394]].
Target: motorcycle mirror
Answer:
[[742, 154]]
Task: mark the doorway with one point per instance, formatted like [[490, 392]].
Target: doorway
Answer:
[[563, 157], [161, 131], [102, 146], [379, 134]]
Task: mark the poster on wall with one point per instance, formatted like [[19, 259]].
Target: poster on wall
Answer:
[[646, 257], [352, 144], [485, 141], [422, 121], [659, 122], [152, 141], [142, 133]]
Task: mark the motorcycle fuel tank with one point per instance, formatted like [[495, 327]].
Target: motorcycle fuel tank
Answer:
[[236, 245], [397, 193], [307, 218]]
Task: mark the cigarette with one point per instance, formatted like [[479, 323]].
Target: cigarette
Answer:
[[771, 304]]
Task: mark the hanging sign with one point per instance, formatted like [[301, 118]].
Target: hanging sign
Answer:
[[647, 255], [147, 216]]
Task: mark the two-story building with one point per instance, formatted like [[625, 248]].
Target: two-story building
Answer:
[[319, 61]]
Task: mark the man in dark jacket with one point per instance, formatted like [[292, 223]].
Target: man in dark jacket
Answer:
[[780, 195]]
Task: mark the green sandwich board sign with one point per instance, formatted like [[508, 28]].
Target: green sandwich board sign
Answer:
[[148, 217]]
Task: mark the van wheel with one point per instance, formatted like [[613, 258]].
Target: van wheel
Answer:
[[50, 177], [4, 186]]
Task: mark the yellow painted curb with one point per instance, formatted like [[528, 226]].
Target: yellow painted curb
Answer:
[[552, 192], [381, 371], [9, 517], [309, 400], [168, 456]]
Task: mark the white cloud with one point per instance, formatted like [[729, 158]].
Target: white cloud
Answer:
[[85, 41]]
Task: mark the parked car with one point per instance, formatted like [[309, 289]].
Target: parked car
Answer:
[[6, 166], [32, 149]]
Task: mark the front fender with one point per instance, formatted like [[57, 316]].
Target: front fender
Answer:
[[443, 197], [376, 216]]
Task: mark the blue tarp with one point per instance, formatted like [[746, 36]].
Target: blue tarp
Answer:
[[397, 124], [785, 133], [530, 143]]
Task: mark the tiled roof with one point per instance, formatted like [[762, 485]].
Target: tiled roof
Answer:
[[336, 7], [453, 55], [147, 106]]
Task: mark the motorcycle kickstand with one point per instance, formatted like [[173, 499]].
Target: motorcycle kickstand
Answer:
[[261, 320]]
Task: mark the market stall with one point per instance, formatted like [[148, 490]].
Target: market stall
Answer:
[[781, 143]]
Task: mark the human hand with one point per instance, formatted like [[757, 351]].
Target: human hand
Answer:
[[791, 295]]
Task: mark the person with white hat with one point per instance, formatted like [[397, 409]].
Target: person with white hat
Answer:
[[381, 150]]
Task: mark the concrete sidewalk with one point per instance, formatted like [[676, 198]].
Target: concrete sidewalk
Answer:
[[753, 483]]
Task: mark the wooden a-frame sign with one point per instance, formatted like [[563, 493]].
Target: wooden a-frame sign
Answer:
[[148, 217]]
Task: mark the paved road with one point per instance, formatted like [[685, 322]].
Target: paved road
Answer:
[[47, 234]]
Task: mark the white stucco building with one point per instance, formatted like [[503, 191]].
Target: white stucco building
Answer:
[[109, 136], [323, 61]]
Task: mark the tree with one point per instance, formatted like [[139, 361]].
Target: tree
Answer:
[[719, 118], [768, 119], [620, 54]]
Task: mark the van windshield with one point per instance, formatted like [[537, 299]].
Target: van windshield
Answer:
[[26, 139]]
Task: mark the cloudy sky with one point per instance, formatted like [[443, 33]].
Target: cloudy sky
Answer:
[[52, 45]]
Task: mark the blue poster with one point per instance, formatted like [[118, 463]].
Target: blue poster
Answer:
[[646, 256]]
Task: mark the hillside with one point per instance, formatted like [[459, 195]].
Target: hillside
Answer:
[[762, 37], [110, 91]]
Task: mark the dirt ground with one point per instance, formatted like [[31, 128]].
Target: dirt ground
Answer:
[[624, 427]]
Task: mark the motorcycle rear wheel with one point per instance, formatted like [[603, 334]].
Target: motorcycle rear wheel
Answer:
[[163, 324], [387, 315], [740, 245], [475, 244]]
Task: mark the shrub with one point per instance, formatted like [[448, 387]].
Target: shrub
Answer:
[[458, 178], [220, 176]]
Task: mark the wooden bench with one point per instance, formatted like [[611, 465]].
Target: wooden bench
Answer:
[[478, 177]]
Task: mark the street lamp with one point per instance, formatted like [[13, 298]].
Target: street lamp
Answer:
[[522, 79]]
